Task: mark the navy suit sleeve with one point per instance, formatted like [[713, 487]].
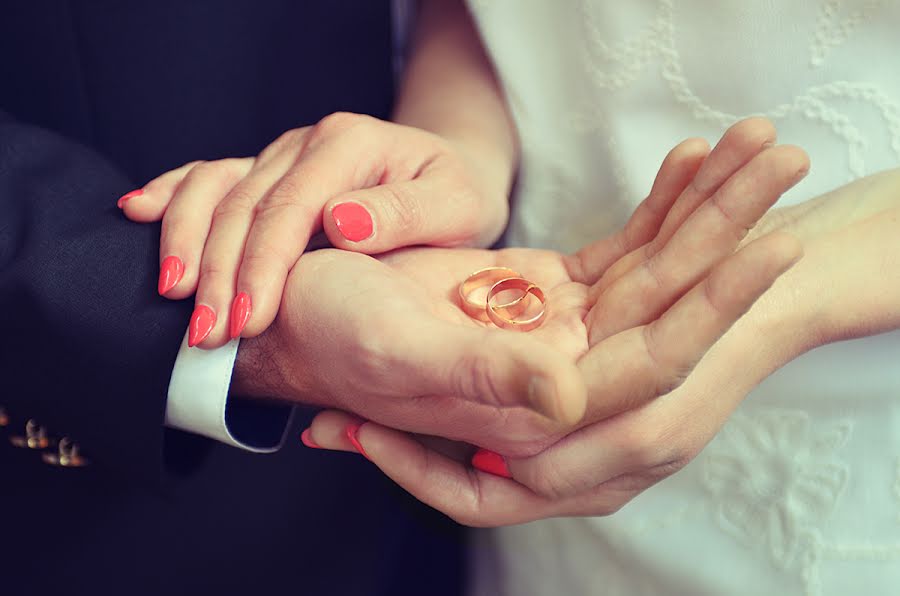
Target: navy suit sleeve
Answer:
[[88, 346]]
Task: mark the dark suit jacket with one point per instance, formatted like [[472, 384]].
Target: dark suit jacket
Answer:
[[96, 98]]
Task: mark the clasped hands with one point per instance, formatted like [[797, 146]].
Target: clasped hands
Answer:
[[382, 344]]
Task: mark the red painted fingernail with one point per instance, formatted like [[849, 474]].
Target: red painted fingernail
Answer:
[[490, 462], [353, 221], [129, 195], [306, 439], [202, 322], [353, 434], [170, 273], [240, 314]]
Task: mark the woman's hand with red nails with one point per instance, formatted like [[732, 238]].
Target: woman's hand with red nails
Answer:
[[234, 228], [642, 335]]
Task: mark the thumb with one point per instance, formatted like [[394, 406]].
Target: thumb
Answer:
[[382, 218], [505, 369]]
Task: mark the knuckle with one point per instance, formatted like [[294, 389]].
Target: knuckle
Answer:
[[733, 225], [223, 171], [677, 459], [670, 371], [656, 275], [715, 293], [337, 124], [377, 361], [204, 169], [552, 482], [289, 138], [235, 168], [528, 446], [401, 209], [285, 195], [211, 271], [473, 214], [651, 346], [665, 452], [604, 505], [165, 182], [475, 379], [238, 202], [264, 265], [643, 450]]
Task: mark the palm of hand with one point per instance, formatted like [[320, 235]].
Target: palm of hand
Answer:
[[437, 273], [402, 311]]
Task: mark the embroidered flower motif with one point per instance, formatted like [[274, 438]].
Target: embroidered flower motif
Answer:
[[775, 479]]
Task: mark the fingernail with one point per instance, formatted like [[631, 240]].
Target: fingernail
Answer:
[[306, 439], [490, 462], [202, 322], [542, 396], [129, 195], [353, 221], [352, 432], [170, 273], [240, 314]]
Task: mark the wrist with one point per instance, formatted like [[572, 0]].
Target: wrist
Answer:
[[255, 374], [782, 325], [263, 371]]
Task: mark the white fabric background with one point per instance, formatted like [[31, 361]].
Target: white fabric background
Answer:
[[800, 493]]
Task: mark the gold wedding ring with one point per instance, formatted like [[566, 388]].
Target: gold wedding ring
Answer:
[[502, 317], [498, 280], [484, 278]]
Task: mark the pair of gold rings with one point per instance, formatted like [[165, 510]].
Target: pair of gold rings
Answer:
[[505, 316]]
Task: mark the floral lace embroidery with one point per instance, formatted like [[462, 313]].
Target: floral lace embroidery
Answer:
[[613, 66], [775, 480]]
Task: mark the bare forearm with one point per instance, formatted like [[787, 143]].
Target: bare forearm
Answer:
[[450, 88], [847, 284]]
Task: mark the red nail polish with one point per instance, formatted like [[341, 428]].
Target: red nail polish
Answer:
[[353, 221], [202, 322], [170, 273], [306, 439], [129, 195], [240, 314], [490, 462], [352, 434]]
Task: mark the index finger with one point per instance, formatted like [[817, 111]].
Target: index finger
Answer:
[[288, 216], [470, 497]]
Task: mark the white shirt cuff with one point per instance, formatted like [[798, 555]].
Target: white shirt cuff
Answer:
[[198, 402]]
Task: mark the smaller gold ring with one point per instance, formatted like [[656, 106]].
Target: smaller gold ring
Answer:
[[496, 312], [480, 279]]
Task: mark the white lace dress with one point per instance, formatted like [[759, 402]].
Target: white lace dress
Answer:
[[800, 492]]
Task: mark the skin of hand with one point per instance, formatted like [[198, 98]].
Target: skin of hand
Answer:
[[848, 286], [438, 175], [619, 450], [399, 350]]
